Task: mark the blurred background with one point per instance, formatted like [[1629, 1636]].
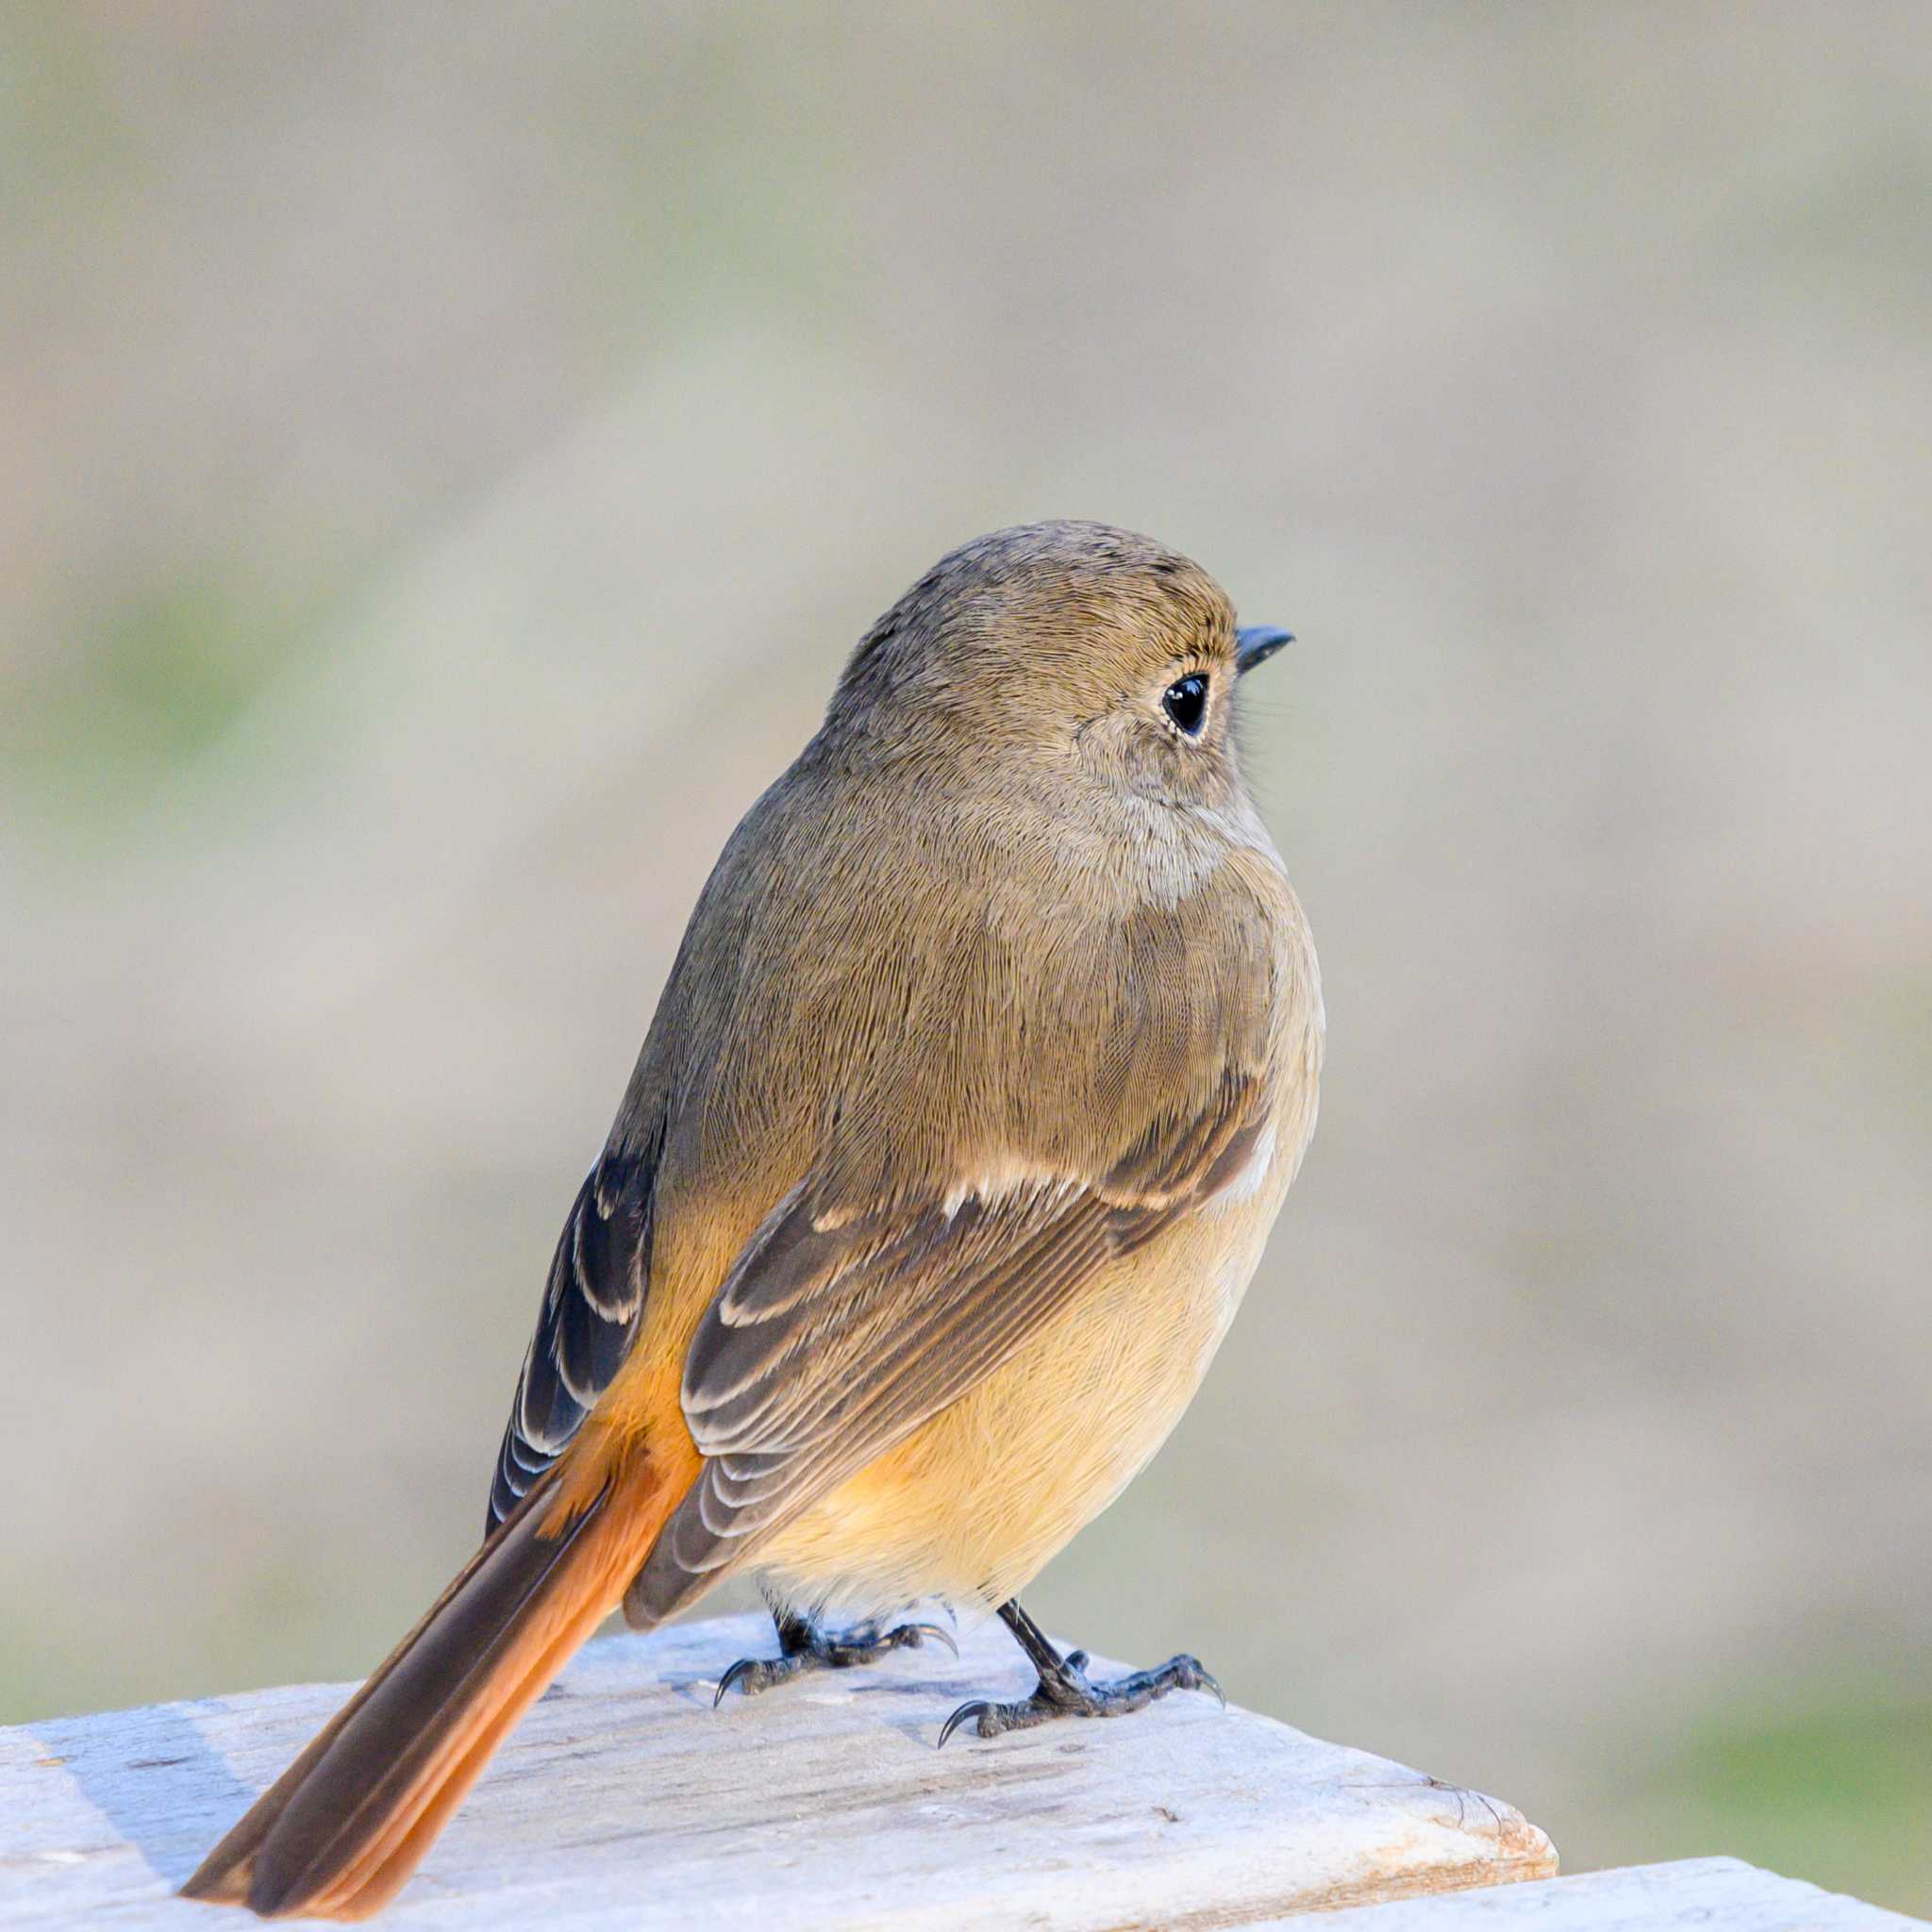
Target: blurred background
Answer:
[[449, 452]]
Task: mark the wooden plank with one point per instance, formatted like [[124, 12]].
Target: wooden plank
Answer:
[[1695, 1894], [626, 1801]]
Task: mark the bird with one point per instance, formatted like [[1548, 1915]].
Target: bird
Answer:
[[990, 1053]]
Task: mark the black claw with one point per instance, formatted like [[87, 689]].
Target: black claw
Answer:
[[910, 1634], [742, 1668], [978, 1707], [1191, 1674]]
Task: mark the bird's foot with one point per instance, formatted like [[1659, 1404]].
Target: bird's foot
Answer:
[[1064, 1690], [803, 1647]]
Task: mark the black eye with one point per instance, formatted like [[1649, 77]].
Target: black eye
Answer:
[[1186, 702]]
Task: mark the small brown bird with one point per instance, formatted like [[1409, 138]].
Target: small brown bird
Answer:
[[988, 1057]]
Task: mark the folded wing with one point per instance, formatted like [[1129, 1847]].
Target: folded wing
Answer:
[[845, 1324], [593, 1301]]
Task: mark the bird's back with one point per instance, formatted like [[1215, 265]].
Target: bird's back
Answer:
[[1013, 974]]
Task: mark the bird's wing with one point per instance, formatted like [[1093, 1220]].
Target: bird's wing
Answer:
[[843, 1324], [585, 1322]]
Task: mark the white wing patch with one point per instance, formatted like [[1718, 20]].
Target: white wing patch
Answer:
[[1249, 1182], [1003, 1181]]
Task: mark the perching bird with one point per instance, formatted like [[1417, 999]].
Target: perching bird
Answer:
[[988, 1057]]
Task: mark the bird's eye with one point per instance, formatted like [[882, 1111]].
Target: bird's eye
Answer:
[[1186, 702]]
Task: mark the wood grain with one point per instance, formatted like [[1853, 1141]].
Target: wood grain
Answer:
[[626, 1801], [1692, 1895]]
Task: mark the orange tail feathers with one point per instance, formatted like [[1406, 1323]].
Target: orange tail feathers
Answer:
[[340, 1831]]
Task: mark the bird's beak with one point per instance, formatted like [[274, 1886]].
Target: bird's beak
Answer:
[[1255, 644]]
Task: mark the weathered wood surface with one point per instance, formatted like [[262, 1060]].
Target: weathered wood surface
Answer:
[[626, 1801], [1693, 1895]]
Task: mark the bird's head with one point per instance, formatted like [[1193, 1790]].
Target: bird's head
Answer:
[[1068, 647]]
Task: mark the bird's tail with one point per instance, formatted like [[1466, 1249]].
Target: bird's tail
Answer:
[[342, 1830]]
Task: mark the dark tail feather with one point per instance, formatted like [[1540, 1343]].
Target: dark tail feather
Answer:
[[338, 1833]]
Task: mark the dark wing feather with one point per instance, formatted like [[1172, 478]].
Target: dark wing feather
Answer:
[[841, 1328], [588, 1317]]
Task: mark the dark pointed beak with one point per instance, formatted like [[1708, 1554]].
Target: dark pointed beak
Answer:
[[1255, 644]]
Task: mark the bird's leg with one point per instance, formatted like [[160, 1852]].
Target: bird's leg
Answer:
[[804, 1645], [1063, 1689]]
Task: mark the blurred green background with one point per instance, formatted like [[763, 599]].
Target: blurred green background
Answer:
[[448, 453]]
